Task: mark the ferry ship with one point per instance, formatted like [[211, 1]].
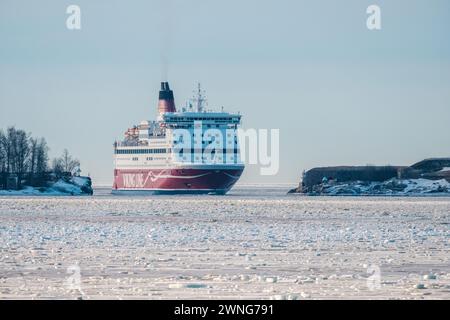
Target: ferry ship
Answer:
[[192, 151]]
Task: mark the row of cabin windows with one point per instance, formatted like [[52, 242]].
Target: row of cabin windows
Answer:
[[208, 136], [213, 151], [190, 126], [208, 142], [147, 158], [214, 158], [141, 151], [196, 119], [159, 151]]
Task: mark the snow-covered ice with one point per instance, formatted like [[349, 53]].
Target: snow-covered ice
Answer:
[[252, 243]]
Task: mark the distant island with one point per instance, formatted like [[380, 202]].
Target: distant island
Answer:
[[427, 177], [25, 168]]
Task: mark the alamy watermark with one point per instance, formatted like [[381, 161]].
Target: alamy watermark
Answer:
[[73, 21], [374, 20], [229, 146], [374, 280], [73, 281]]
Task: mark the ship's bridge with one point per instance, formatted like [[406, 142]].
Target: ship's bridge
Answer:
[[207, 119]]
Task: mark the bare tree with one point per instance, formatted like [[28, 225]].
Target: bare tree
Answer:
[[7, 141], [2, 161], [41, 156], [21, 151], [67, 163], [33, 155], [2, 153], [57, 166]]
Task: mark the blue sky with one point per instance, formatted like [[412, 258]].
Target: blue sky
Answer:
[[339, 93]]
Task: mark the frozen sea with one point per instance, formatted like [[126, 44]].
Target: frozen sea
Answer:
[[254, 243]]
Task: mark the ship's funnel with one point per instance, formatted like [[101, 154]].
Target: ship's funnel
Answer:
[[166, 101]]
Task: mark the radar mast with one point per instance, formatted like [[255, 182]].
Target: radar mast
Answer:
[[199, 99]]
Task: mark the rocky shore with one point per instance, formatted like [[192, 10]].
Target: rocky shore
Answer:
[[424, 178], [391, 187]]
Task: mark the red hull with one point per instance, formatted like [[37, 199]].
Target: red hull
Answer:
[[176, 180]]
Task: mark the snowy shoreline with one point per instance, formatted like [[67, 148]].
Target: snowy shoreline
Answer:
[[411, 195], [74, 186], [389, 188]]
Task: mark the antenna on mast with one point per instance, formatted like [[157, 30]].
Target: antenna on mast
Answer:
[[199, 100]]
